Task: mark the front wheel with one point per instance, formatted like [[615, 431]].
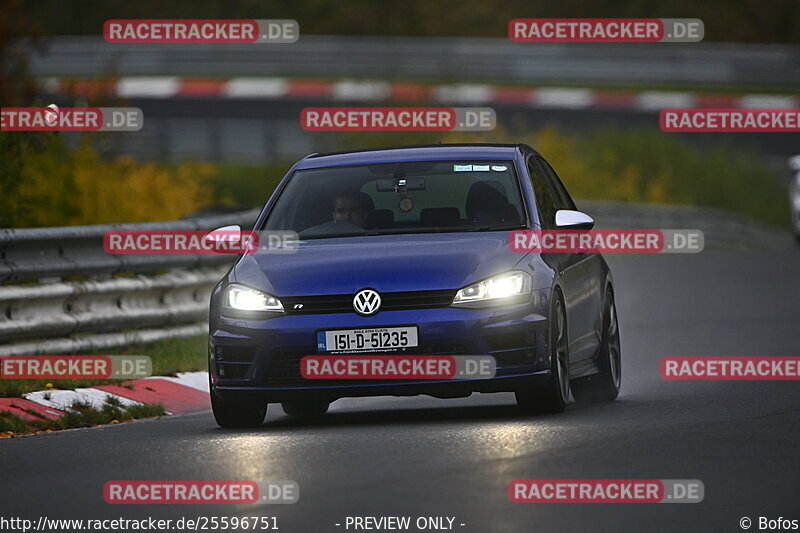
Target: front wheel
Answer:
[[604, 386], [552, 397], [238, 413]]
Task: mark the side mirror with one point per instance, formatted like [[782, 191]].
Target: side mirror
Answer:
[[223, 239], [569, 219]]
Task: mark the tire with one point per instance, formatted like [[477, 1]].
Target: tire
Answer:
[[305, 408], [238, 413], [552, 397], [604, 386]]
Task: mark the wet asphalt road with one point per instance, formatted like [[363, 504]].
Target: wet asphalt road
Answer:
[[455, 458]]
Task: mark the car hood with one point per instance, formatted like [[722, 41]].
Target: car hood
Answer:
[[386, 263]]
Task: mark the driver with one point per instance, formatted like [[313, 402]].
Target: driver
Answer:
[[350, 208], [351, 211]]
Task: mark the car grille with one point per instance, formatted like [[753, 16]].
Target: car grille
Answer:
[[390, 301]]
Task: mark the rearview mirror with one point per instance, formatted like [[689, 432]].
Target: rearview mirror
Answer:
[[395, 184], [569, 219]]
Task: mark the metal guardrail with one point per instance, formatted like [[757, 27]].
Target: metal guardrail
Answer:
[[159, 296], [481, 59], [45, 253]]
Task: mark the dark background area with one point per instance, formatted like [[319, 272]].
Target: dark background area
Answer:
[[757, 21]]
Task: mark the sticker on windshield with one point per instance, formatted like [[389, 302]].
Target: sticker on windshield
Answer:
[[480, 168], [406, 204], [499, 168], [462, 168]]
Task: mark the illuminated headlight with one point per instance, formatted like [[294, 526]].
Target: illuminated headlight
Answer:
[[498, 290], [241, 298]]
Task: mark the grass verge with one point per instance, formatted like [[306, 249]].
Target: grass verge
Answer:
[[81, 415], [169, 357]]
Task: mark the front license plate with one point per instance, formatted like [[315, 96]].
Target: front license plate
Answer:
[[367, 340]]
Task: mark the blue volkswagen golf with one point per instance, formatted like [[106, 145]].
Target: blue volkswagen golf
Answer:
[[414, 240]]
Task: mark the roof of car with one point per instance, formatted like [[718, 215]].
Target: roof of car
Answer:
[[428, 152]]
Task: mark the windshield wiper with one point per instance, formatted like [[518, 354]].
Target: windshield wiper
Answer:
[[414, 231], [505, 227], [314, 236]]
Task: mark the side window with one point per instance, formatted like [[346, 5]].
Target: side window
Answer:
[[545, 203], [563, 199]]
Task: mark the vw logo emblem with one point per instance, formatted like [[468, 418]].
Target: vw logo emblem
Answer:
[[367, 302]]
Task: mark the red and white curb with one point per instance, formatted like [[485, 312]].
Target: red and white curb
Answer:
[[186, 393], [378, 91]]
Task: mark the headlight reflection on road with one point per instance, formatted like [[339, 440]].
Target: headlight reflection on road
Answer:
[[258, 456], [503, 441]]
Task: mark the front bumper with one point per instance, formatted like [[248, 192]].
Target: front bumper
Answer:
[[262, 357]]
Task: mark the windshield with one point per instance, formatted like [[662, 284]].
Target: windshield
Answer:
[[393, 198]]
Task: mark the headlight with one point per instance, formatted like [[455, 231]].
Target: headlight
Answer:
[[498, 290], [241, 298]]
